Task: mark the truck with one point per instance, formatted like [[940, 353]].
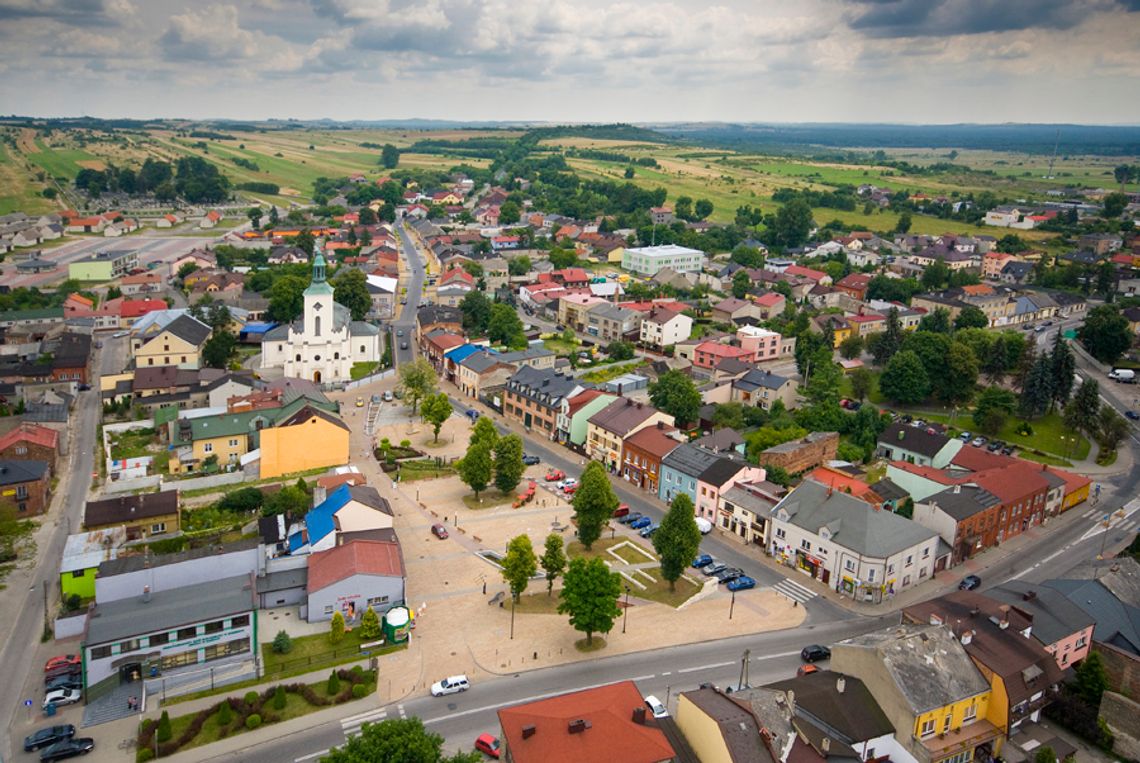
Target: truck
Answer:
[[1123, 375]]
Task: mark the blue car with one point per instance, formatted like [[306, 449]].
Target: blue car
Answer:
[[648, 530], [640, 522], [742, 583], [702, 560]]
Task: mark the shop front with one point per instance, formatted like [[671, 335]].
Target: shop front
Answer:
[[812, 565]]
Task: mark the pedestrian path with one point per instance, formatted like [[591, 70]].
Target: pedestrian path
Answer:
[[795, 591], [353, 723]]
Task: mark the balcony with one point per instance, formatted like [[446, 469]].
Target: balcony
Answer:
[[966, 738]]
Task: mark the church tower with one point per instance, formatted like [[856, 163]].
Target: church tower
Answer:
[[318, 304]]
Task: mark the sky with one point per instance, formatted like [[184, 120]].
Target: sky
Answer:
[[910, 61]]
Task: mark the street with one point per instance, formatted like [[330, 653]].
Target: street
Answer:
[[407, 320]]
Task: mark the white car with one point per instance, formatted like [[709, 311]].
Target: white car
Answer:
[[62, 697], [450, 685], [704, 525], [568, 482], [656, 707]]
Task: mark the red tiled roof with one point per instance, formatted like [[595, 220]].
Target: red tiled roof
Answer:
[[32, 433], [838, 480], [583, 397], [1013, 483], [800, 270], [140, 278], [359, 557], [656, 442], [980, 459], [1073, 482], [723, 350], [977, 289], [865, 318], [333, 481], [446, 342], [855, 281], [133, 308], [611, 735], [771, 299]]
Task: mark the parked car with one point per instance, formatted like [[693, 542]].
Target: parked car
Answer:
[[439, 531], [979, 441], [570, 489], [69, 681], [630, 518], [969, 583], [63, 660], [649, 530], [621, 511], [1132, 415], [388, 397], [64, 670], [804, 670], [568, 483], [68, 748], [702, 560], [530, 460], [815, 653], [965, 436], [729, 574], [704, 525], [48, 736], [399, 332], [472, 414], [655, 707], [1007, 450], [360, 401], [555, 475], [488, 745], [713, 568], [377, 399], [404, 345], [742, 583], [450, 685], [640, 522], [995, 446], [84, 387], [62, 697]]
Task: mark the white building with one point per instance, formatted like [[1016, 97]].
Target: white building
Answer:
[[663, 327], [647, 260], [326, 342]]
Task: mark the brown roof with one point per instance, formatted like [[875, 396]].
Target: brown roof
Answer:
[[126, 508], [622, 415], [360, 557], [33, 433], [737, 725], [654, 440], [1013, 483], [610, 733], [583, 397]]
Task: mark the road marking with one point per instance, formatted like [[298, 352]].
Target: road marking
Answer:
[[351, 725], [707, 667], [667, 673], [794, 590], [402, 713], [310, 757]]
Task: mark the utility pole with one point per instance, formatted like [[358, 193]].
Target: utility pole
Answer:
[[744, 670]]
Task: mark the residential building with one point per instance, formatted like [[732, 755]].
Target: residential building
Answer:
[[730, 309], [849, 544], [179, 343], [662, 327], [722, 728], [1060, 626], [854, 284], [603, 723], [766, 345], [142, 283], [709, 353], [918, 445], [648, 260], [83, 553], [353, 578], [865, 324], [929, 689], [142, 515], [681, 469], [797, 456], [720, 476], [574, 310], [771, 304], [607, 429], [745, 507], [29, 441], [612, 323], [438, 317], [481, 370], [303, 437], [643, 453], [103, 266], [534, 397], [574, 415], [1024, 678], [25, 486], [660, 215], [347, 510]]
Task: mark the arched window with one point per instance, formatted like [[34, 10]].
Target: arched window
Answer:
[[317, 325], [336, 356], [298, 357], [316, 357], [362, 349]]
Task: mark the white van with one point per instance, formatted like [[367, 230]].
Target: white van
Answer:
[[704, 525]]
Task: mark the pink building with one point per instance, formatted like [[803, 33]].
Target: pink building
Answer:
[[708, 354], [765, 345], [723, 474], [1059, 625]]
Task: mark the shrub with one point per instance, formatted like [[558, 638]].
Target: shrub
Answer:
[[359, 691], [336, 628], [225, 713], [282, 643], [144, 754], [253, 721], [279, 698], [251, 698], [405, 443], [334, 684], [165, 732]]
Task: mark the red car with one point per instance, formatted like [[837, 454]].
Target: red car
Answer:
[[439, 531], [63, 661], [622, 510], [555, 475], [570, 489], [488, 744]]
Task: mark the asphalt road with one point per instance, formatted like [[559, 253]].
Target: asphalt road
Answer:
[[19, 668], [150, 249], [407, 320]]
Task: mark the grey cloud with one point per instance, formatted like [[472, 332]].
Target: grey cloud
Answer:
[[77, 12], [938, 18]]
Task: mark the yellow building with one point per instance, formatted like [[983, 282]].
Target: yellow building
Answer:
[[141, 515], [309, 438], [179, 343], [709, 719]]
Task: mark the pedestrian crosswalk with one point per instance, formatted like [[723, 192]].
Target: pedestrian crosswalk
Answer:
[[351, 725], [795, 591]]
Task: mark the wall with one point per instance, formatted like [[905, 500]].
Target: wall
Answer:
[[71, 626], [1120, 713], [356, 590], [701, 732], [170, 576], [807, 456], [1122, 669], [314, 444]]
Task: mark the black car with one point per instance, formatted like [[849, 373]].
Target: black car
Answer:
[[1132, 415], [48, 736], [969, 583], [729, 574], [63, 682], [631, 517], [63, 670], [68, 748], [815, 653], [530, 460]]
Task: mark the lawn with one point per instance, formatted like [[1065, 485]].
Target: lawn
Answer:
[[637, 554], [132, 444], [489, 499], [612, 372], [536, 603], [410, 471], [657, 589], [575, 548], [560, 346], [315, 652], [360, 370], [59, 162], [1047, 433]]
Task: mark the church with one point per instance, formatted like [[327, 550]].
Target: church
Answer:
[[324, 344]]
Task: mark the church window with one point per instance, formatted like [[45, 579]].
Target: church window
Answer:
[[316, 357], [336, 356], [317, 326], [281, 348], [361, 349], [298, 357]]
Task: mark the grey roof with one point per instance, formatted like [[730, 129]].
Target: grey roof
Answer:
[[136, 562], [283, 580], [1054, 616], [370, 497], [167, 610], [889, 491], [124, 508], [913, 439], [853, 523], [362, 328], [481, 361], [738, 727], [852, 712], [963, 501], [756, 379], [542, 385], [726, 438], [1117, 623], [722, 470], [438, 314], [623, 415], [926, 663], [16, 472], [189, 328], [750, 500], [612, 312], [689, 460]]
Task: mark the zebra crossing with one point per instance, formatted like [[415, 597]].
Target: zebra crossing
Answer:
[[1127, 524], [794, 591], [351, 725]]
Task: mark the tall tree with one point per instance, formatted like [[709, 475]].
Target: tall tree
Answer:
[[935, 275], [861, 383], [509, 465], [851, 347], [350, 288], [396, 740], [590, 595], [1111, 428], [890, 341], [675, 394], [475, 467], [677, 539], [389, 156], [1090, 679], [995, 363], [741, 283], [793, 223], [519, 564], [553, 560], [1037, 394], [1105, 333], [959, 377], [904, 380], [286, 298], [936, 322], [505, 327], [305, 241], [994, 406], [1082, 410], [220, 349], [971, 317], [476, 313], [594, 503], [702, 208], [683, 208], [417, 380], [1064, 366], [484, 432], [436, 410]]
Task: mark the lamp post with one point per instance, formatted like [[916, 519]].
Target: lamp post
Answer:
[[512, 615], [625, 615], [732, 605]]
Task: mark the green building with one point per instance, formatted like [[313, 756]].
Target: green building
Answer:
[[83, 554], [103, 266]]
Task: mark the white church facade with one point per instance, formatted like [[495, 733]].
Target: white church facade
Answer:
[[325, 343]]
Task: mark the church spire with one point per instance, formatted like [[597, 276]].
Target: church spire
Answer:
[[318, 268]]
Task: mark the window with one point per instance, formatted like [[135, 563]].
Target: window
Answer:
[[183, 358], [890, 569], [871, 575], [208, 447], [21, 450], [780, 532], [970, 715], [185, 633], [1082, 641], [849, 565], [21, 492], [928, 727], [130, 645], [240, 621], [805, 545], [158, 528], [328, 609], [910, 560], [233, 443], [906, 580], [962, 757], [925, 552], [158, 639], [215, 627], [100, 652], [946, 723]]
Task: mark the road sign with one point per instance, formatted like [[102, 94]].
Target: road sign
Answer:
[[27, 703]]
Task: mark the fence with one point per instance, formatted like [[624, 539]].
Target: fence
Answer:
[[71, 625], [369, 379]]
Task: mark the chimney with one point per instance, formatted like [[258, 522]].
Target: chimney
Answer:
[[957, 489], [528, 731], [146, 594], [935, 619], [840, 684], [1029, 596], [791, 704], [825, 745], [660, 424], [639, 716], [967, 637], [578, 726]]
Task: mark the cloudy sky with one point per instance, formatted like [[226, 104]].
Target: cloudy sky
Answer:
[[575, 60]]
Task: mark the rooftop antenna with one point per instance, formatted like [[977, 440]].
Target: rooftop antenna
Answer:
[[1052, 161]]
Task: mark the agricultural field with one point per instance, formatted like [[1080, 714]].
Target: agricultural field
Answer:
[[19, 190]]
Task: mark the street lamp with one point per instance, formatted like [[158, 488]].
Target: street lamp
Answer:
[[732, 605], [625, 615]]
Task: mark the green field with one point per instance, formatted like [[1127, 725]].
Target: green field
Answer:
[[18, 190], [60, 162]]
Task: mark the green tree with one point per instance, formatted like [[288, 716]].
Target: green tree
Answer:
[[509, 213], [793, 223], [436, 410], [861, 383], [1114, 204], [935, 275], [937, 322], [475, 468], [677, 539], [476, 313], [851, 347], [332, 686], [418, 381], [675, 394], [219, 350], [890, 341], [370, 624], [1111, 428], [1090, 679], [620, 351], [305, 242], [509, 465], [286, 298], [728, 415], [1063, 367], [186, 269], [336, 628], [702, 208], [519, 564], [1044, 754], [741, 283], [164, 732], [683, 208], [1124, 173], [903, 225], [996, 362], [1037, 394], [904, 380], [282, 643], [553, 560], [289, 501], [397, 740], [505, 327], [350, 288], [971, 317], [518, 266], [484, 433], [590, 595], [279, 697], [1081, 412], [960, 376], [993, 407], [1105, 333], [389, 156], [594, 503]]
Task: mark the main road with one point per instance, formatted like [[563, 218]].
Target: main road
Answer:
[[404, 326]]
